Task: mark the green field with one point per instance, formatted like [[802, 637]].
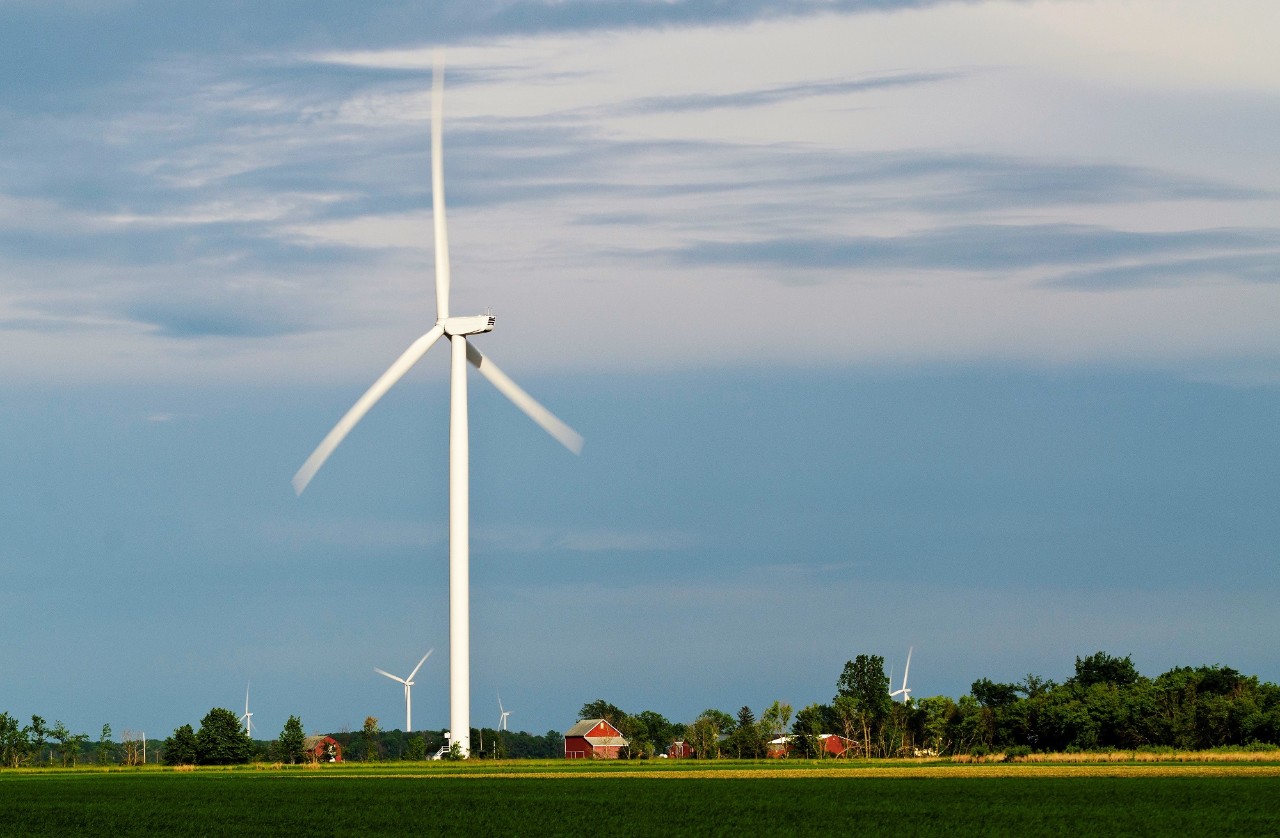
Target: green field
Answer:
[[551, 798]]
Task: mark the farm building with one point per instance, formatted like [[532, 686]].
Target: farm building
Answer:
[[680, 749], [832, 745], [593, 739], [323, 748]]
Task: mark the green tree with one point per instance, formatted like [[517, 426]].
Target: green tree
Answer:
[[661, 731], [181, 748], [746, 741], [704, 737], [601, 709], [292, 744], [938, 711], [221, 739], [774, 721], [105, 746], [14, 741], [810, 724], [724, 722], [416, 750], [38, 735], [864, 681], [1101, 668], [639, 741], [370, 733]]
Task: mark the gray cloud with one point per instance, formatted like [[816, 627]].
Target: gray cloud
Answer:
[[1261, 267], [978, 247], [178, 319], [770, 95]]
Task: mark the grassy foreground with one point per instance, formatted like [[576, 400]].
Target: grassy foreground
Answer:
[[559, 798]]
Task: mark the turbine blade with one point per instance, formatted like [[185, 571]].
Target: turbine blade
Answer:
[[420, 663], [544, 418], [380, 387], [437, 188], [908, 669], [389, 675]]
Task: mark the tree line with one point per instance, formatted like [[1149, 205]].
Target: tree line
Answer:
[[1106, 704], [38, 744]]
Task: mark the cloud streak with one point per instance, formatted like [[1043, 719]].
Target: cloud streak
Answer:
[[994, 247]]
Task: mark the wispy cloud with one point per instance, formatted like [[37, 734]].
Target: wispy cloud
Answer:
[[994, 247], [1261, 267], [780, 93]]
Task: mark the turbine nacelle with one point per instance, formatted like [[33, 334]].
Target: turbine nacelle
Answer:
[[473, 325]]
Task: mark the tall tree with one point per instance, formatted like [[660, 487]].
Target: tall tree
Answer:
[[774, 721], [105, 746], [370, 734], [661, 731], [601, 709], [1101, 668], [292, 744], [810, 724], [704, 737], [13, 741], [221, 739], [38, 734], [181, 748], [864, 681], [746, 741]]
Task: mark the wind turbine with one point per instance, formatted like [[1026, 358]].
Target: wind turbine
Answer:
[[457, 329], [247, 718], [904, 691], [408, 684], [502, 719]]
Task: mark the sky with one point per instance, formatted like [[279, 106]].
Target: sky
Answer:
[[947, 326]]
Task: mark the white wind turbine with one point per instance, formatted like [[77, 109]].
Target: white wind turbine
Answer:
[[504, 712], [247, 718], [457, 329], [408, 685], [904, 691]]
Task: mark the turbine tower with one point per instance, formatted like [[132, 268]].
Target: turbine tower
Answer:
[[503, 713], [903, 691], [247, 718], [408, 685], [457, 329]]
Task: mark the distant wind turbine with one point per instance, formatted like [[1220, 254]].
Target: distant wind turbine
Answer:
[[408, 686], [502, 719], [903, 691], [247, 718], [457, 329]]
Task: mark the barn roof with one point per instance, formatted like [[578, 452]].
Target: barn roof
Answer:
[[311, 741], [585, 726]]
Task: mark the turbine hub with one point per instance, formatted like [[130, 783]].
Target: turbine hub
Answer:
[[472, 325]]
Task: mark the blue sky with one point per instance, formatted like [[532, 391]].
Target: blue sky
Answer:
[[943, 325]]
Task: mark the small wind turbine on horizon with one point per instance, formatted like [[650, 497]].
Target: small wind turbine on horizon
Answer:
[[247, 718], [504, 712], [457, 329], [903, 690], [408, 686]]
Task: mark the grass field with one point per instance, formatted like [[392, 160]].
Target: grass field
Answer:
[[583, 798]]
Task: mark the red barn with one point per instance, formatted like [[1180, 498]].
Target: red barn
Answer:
[[680, 749], [593, 739], [323, 748], [833, 744]]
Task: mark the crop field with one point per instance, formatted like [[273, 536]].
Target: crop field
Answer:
[[559, 798]]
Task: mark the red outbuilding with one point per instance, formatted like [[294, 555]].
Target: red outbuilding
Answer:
[[323, 748], [593, 739], [680, 749], [832, 744]]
